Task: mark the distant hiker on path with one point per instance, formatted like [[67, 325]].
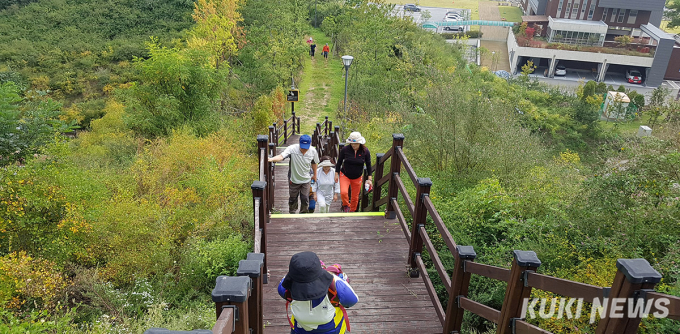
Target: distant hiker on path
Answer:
[[326, 50], [302, 159], [312, 49]]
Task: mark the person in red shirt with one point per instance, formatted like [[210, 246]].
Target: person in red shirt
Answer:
[[326, 50]]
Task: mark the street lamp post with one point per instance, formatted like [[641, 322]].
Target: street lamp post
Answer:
[[347, 61]]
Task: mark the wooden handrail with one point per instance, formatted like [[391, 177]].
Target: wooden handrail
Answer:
[[225, 322], [446, 280], [257, 238], [479, 309], [402, 221], [404, 194], [673, 308], [446, 235], [564, 287], [430, 289], [523, 327], [407, 166], [500, 274]]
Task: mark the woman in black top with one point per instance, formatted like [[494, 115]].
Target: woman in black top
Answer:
[[350, 168]]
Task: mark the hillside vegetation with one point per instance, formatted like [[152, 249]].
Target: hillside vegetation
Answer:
[[126, 226]]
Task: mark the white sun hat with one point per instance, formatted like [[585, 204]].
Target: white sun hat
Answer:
[[326, 163], [356, 138]]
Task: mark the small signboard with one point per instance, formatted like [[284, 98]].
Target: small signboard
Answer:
[[293, 95]]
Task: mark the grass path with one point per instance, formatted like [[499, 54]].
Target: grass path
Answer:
[[322, 86]]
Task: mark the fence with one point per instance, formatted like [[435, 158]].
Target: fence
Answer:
[[635, 278]]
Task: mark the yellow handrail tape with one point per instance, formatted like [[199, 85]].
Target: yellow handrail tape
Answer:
[[323, 215]]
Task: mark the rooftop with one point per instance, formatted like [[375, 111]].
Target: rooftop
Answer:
[[535, 18]]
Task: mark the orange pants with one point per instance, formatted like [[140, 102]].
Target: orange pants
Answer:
[[345, 183]]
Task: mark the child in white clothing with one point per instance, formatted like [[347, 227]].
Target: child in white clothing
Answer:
[[326, 188]]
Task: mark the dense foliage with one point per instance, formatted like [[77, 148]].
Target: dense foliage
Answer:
[[126, 226], [518, 165]]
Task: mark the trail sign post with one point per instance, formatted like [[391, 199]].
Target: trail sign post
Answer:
[[293, 95]]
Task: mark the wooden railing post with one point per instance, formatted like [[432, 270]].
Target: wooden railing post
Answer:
[[285, 131], [233, 292], [254, 269], [293, 118], [364, 193], [460, 281], [419, 219], [262, 143], [330, 127], [315, 138], [325, 126], [632, 276], [395, 168], [297, 123], [337, 130], [272, 135], [377, 189], [517, 289], [258, 188]]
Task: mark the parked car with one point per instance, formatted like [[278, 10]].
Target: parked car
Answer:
[[454, 28], [561, 70], [454, 17], [411, 8], [633, 76]]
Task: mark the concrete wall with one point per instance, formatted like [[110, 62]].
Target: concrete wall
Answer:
[[575, 55], [673, 70]]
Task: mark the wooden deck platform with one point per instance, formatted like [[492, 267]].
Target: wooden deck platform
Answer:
[[372, 251]]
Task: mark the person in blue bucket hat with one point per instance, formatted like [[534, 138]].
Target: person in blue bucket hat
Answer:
[[315, 297], [303, 158]]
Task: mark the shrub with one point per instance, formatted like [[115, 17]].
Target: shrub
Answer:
[[25, 279], [204, 260]]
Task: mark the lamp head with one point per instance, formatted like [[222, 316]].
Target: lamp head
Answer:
[[347, 61]]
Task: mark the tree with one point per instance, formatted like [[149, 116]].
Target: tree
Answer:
[[673, 14], [528, 68], [624, 40], [25, 126], [216, 29], [176, 87]]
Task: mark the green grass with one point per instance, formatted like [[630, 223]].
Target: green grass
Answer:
[[321, 87], [627, 128], [511, 14]]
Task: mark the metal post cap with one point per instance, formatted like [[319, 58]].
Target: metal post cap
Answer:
[[262, 137], [256, 257], [250, 268], [271, 127], [231, 289], [166, 331], [466, 252], [526, 258], [638, 271], [424, 182], [398, 136], [258, 185], [379, 155]]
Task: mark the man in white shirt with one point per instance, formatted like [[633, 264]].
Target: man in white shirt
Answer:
[[303, 158]]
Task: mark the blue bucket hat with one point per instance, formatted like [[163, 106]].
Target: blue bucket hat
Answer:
[[305, 141]]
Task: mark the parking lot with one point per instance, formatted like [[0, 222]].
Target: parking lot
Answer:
[[437, 14]]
